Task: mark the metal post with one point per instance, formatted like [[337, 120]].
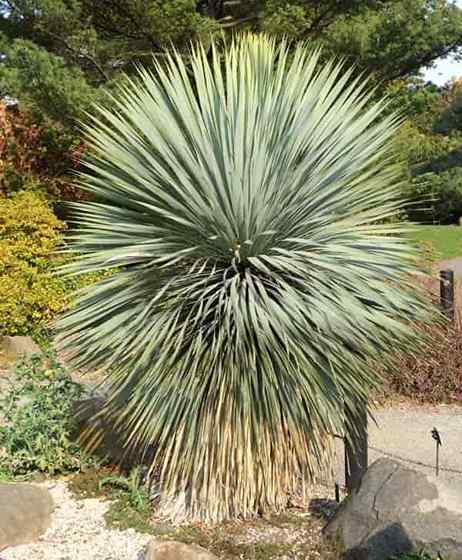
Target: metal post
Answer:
[[447, 293], [356, 447]]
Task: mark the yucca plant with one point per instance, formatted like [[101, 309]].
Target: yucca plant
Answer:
[[244, 198]]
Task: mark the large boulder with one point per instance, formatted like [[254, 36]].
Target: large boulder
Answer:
[[397, 510], [96, 431], [25, 513], [172, 550]]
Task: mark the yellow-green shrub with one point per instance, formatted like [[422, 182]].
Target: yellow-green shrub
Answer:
[[31, 295], [28, 229]]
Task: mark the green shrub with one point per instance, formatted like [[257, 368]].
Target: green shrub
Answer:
[[437, 197], [38, 423]]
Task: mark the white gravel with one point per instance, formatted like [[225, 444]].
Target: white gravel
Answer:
[[79, 532]]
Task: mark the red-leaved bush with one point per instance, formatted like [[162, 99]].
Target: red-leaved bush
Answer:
[[37, 153], [433, 375]]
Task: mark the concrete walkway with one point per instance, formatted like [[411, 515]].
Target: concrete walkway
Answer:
[[405, 433], [451, 264]]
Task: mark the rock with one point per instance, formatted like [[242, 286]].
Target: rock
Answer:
[[25, 513], [172, 550], [96, 431], [398, 510], [16, 346], [98, 435]]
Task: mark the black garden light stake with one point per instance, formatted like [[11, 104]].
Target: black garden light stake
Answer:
[[436, 436], [337, 492]]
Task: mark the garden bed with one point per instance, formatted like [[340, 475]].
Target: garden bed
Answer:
[[101, 528]]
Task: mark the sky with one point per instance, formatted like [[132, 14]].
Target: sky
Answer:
[[445, 69]]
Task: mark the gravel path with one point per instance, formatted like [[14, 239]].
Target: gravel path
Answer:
[[405, 432], [79, 532]]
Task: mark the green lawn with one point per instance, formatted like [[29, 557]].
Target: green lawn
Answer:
[[446, 240]]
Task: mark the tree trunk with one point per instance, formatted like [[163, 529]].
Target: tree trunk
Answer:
[[356, 446]]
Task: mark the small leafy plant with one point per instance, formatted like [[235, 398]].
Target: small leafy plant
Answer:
[[133, 488], [130, 507], [37, 419]]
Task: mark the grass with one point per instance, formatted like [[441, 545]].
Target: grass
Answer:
[[446, 241], [5, 476]]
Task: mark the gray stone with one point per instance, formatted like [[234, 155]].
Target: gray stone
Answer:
[[97, 433], [16, 346], [397, 510], [25, 513], [172, 550]]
